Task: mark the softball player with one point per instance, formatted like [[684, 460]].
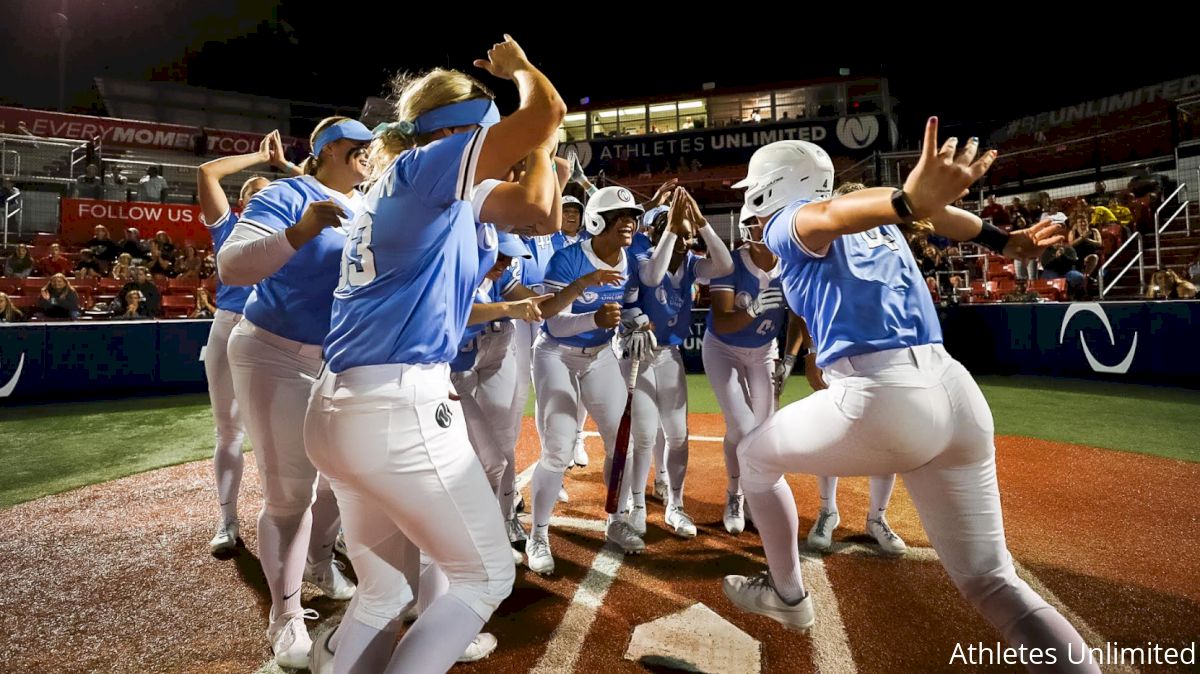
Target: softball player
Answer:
[[231, 300], [663, 295], [573, 357], [896, 402], [382, 423], [820, 536], [287, 243], [739, 352]]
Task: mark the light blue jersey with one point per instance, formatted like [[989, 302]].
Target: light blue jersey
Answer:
[[411, 261], [561, 239], [229, 298], [577, 261], [295, 301], [746, 282], [542, 248], [669, 304], [487, 293], [863, 294]]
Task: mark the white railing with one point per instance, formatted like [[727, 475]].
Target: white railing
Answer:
[[1158, 229], [1139, 259], [10, 167], [12, 208]]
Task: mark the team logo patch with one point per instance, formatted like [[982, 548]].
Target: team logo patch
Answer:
[[624, 195], [443, 416], [660, 294], [589, 297], [742, 300]]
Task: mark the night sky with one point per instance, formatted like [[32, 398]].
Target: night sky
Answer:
[[341, 52]]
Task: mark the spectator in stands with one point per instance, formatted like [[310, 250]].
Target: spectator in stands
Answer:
[[103, 247], [115, 178], [59, 299], [997, 213], [89, 185], [1086, 241], [55, 262], [23, 130], [7, 190], [152, 186], [122, 270], [209, 267], [1016, 209], [159, 267], [165, 246], [204, 307], [88, 266], [1101, 216], [1060, 261], [1165, 284], [1193, 269], [188, 264], [132, 308], [8, 312], [20, 265], [133, 244], [1100, 197], [1021, 293], [151, 298]]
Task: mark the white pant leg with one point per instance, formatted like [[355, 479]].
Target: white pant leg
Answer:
[[228, 461], [672, 398], [391, 435], [272, 386], [602, 390], [487, 397], [741, 380], [557, 375]]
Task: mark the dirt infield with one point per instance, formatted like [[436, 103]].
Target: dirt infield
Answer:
[[117, 577]]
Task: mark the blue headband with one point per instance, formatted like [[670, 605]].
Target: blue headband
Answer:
[[481, 111], [347, 128]]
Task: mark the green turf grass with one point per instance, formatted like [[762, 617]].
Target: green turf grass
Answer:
[[52, 448]]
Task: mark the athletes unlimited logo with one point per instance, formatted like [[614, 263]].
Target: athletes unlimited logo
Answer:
[[1096, 365], [857, 133], [443, 416]]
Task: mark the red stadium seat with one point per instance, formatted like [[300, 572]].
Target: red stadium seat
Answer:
[[183, 285], [10, 286], [34, 284], [44, 239], [24, 303], [111, 284], [177, 306]]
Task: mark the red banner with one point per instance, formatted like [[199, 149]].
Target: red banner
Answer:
[[181, 222], [131, 133]]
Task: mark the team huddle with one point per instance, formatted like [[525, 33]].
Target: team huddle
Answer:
[[383, 312]]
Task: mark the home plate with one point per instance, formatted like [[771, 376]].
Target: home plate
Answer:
[[695, 640]]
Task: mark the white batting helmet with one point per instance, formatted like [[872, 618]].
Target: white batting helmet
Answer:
[[783, 172], [607, 200]]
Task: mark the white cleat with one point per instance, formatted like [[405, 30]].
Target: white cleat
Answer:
[[330, 579], [289, 638], [621, 534], [339, 544], [888, 541], [562, 496], [580, 456], [518, 503], [518, 558], [228, 535], [661, 490], [320, 658], [820, 537], [756, 594], [637, 520], [480, 648], [516, 530], [735, 517], [678, 521], [537, 555]]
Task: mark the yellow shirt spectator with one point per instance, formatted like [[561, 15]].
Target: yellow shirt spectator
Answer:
[[1101, 216]]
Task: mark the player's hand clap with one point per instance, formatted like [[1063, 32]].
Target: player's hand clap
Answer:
[[941, 177], [608, 316]]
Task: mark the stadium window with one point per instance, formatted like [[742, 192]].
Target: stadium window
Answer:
[[574, 127], [791, 104], [604, 123], [864, 96], [664, 118], [633, 121], [693, 115], [824, 100]]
